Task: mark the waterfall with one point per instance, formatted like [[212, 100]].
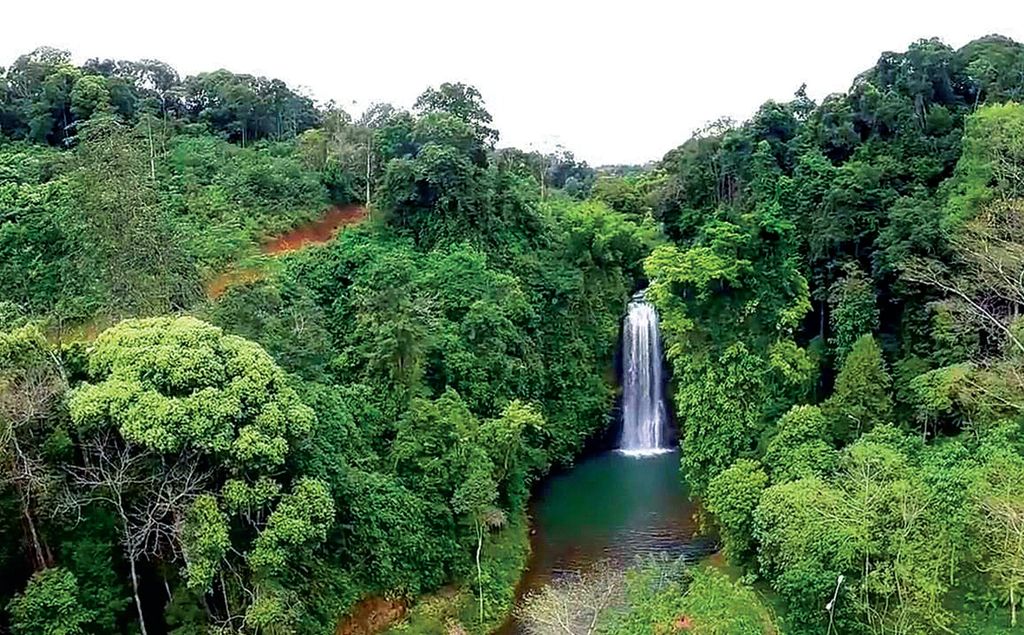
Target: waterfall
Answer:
[[643, 404]]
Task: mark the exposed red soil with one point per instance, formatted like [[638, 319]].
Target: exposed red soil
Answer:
[[316, 232], [370, 616], [216, 287], [313, 233]]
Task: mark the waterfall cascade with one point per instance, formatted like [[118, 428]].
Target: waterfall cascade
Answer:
[[643, 404]]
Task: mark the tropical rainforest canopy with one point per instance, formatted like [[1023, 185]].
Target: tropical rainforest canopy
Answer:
[[840, 286]]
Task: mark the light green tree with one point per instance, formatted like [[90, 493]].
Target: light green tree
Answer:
[[799, 447], [49, 605], [177, 414], [90, 95], [731, 498], [998, 499], [854, 310], [861, 399]]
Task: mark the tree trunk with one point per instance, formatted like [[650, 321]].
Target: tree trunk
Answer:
[[152, 152], [479, 570], [224, 596], [34, 536], [369, 148], [135, 592], [1013, 609]]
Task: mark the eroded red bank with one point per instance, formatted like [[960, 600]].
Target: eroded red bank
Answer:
[[316, 232]]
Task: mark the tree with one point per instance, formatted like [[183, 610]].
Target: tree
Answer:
[[985, 290], [991, 168], [722, 404], [392, 323], [507, 440], [190, 387], [299, 521], [575, 604], [32, 384], [49, 605], [715, 604], [462, 101], [89, 96], [145, 500], [176, 413], [854, 310], [205, 541], [732, 497], [861, 399], [134, 255], [800, 447], [244, 108], [998, 500], [476, 497], [878, 523], [621, 194], [26, 80]]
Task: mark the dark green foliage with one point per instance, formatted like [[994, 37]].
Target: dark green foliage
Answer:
[[367, 416], [463, 102], [284, 319], [46, 97], [244, 108], [89, 551], [391, 533], [442, 188], [886, 222]]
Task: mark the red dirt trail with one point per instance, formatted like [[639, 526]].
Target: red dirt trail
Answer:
[[316, 232], [371, 615]]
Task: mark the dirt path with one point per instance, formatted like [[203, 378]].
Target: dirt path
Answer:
[[316, 232], [371, 615]]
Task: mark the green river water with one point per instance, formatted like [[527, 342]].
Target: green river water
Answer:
[[609, 508]]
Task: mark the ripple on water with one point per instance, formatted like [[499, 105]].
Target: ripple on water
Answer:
[[611, 507]]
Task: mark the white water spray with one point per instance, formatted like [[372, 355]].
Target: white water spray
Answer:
[[643, 404]]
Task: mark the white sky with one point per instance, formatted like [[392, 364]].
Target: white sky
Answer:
[[616, 82]]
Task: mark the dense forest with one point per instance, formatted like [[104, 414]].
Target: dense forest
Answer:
[[839, 283], [357, 419], [841, 300]]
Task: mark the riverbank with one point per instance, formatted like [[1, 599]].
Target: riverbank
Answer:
[[455, 608]]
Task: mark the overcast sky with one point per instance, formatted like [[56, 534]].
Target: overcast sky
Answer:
[[616, 82]]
